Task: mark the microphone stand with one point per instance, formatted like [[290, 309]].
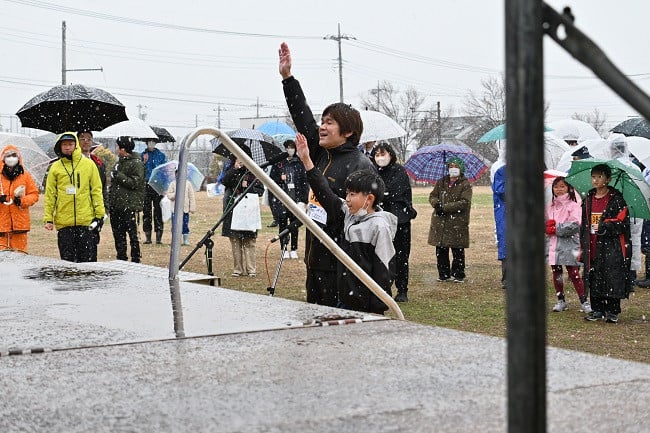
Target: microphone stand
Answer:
[[271, 288], [207, 241]]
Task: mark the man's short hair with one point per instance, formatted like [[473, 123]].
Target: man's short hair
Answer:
[[126, 143], [366, 182], [348, 118]]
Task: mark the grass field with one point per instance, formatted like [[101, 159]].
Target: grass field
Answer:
[[478, 305]]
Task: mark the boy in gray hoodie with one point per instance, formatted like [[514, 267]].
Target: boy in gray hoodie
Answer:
[[367, 231]]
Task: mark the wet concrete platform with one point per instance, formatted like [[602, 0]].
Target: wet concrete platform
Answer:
[[254, 363]]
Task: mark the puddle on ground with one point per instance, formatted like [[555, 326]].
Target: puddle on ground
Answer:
[[72, 279]]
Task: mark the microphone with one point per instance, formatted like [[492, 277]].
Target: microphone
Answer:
[[275, 159], [283, 233]]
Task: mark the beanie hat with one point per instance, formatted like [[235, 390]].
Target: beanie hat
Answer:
[[459, 162]]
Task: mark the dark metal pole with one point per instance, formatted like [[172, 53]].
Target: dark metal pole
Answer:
[[525, 294]]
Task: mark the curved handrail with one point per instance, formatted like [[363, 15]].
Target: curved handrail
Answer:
[[279, 194]]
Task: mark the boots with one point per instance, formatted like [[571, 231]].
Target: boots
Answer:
[[645, 283], [401, 296], [147, 236], [186, 239], [159, 237]]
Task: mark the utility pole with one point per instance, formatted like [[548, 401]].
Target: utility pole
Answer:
[[439, 123], [141, 115], [64, 68], [218, 110], [338, 39]]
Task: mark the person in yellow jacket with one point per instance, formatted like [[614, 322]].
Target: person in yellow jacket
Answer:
[[18, 192], [74, 203]]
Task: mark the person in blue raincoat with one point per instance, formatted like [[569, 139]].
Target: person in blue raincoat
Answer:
[[499, 198]]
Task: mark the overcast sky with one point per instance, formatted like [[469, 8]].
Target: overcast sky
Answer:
[[184, 63]]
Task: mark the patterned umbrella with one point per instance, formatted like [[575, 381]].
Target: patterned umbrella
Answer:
[[429, 163], [262, 146], [72, 108], [164, 174]]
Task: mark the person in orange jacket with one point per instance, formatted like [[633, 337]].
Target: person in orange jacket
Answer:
[[18, 192]]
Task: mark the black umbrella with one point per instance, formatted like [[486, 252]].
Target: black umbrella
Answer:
[[164, 136], [262, 147], [73, 107], [638, 127]]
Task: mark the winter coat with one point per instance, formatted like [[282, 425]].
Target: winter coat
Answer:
[[190, 201], [609, 270], [80, 176], [499, 198], [127, 186], [398, 198], [335, 164], [295, 184], [232, 180], [16, 218], [368, 240], [451, 230], [563, 248], [154, 158]]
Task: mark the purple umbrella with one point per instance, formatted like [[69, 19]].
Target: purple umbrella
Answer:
[[429, 163]]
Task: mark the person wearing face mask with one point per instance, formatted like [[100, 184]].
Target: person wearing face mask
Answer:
[[74, 203], [398, 200], [451, 200], [368, 231], [152, 213], [333, 147], [290, 175], [18, 192]]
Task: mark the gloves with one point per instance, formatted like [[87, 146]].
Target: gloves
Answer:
[[96, 225], [17, 201], [439, 210], [3, 198], [550, 227]]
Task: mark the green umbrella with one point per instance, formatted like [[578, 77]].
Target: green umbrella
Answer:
[[499, 133], [627, 179]]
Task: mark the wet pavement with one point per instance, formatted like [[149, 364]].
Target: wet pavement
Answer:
[[253, 363]]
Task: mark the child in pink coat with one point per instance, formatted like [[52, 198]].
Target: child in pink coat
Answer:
[[563, 217]]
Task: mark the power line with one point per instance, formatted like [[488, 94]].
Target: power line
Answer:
[[115, 18]]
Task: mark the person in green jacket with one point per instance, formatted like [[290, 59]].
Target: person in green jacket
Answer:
[[126, 198], [74, 204]]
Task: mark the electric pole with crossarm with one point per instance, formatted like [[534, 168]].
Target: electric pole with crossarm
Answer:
[[338, 39]]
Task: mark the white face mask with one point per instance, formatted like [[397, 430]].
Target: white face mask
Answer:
[[291, 151], [454, 172], [11, 161], [363, 211], [382, 161]]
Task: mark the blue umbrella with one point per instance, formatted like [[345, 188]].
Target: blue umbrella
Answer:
[[165, 174], [429, 163], [276, 127], [281, 138], [499, 133]]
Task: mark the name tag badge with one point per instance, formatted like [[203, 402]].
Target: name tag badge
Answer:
[[290, 186], [70, 190], [315, 211]]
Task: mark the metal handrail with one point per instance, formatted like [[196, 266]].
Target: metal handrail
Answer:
[[279, 194]]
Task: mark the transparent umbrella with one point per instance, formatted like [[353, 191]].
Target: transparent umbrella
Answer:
[[165, 174], [35, 159]]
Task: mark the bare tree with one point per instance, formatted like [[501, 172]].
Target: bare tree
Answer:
[[490, 107], [490, 104], [595, 119], [406, 108]]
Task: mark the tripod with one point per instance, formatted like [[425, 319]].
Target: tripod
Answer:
[[271, 288]]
